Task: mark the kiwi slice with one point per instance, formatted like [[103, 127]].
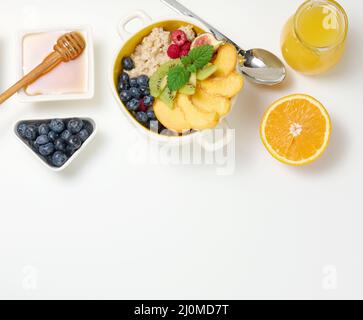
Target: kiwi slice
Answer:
[[168, 97], [206, 72], [157, 81], [193, 79], [164, 83], [188, 90]]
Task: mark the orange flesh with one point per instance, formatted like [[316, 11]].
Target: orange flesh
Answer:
[[296, 129]]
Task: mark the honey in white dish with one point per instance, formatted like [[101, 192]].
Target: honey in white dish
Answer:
[[67, 78]]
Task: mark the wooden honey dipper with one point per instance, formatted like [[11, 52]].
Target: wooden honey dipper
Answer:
[[68, 47]]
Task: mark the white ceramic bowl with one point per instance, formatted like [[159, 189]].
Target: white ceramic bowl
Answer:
[[127, 37], [74, 156], [88, 94]]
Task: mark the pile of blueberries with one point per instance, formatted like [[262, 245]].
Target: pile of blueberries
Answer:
[[55, 140], [135, 94]]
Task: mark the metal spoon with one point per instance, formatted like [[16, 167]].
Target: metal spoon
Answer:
[[259, 65]]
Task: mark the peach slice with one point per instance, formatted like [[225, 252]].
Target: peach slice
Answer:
[[198, 120], [226, 60], [227, 87], [211, 103], [172, 119]]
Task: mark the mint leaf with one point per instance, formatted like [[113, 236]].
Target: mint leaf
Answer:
[[197, 58], [186, 60], [201, 55], [192, 68], [178, 77]]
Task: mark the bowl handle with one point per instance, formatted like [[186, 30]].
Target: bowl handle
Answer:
[[222, 142], [137, 15]]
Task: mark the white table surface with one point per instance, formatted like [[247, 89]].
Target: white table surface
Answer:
[[113, 227]]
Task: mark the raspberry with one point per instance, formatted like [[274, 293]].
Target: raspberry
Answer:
[[142, 107], [184, 53], [185, 49], [174, 52], [187, 45], [179, 37]]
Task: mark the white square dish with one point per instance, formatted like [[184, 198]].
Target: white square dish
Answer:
[[88, 93], [73, 157]]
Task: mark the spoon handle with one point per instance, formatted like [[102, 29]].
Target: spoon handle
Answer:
[[47, 65], [178, 7]]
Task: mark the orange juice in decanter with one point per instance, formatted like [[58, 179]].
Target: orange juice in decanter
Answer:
[[313, 40]]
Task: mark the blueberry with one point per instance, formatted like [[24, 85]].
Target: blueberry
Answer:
[[66, 134], [60, 145], [31, 133], [151, 114], [22, 129], [123, 86], [133, 83], [128, 64], [125, 95], [35, 146], [57, 125], [143, 81], [142, 117], [145, 91], [124, 77], [70, 150], [53, 136], [148, 101], [59, 159], [88, 126], [154, 126], [43, 139], [43, 129], [135, 93], [84, 135], [46, 149], [133, 105], [75, 125], [75, 142]]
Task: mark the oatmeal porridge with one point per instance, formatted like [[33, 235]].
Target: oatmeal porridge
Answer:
[[151, 53]]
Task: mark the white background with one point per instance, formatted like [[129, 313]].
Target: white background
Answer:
[[110, 228]]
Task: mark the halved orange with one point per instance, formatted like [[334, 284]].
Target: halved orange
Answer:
[[296, 129]]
